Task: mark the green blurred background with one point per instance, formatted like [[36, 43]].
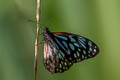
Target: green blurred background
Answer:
[[98, 20]]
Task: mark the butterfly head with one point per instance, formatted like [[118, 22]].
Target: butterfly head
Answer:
[[47, 34]]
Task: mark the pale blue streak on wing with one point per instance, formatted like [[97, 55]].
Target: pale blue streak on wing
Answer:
[[72, 39], [83, 45], [78, 54], [84, 51], [62, 37], [54, 44], [68, 51], [76, 44], [60, 52], [65, 44], [95, 46], [89, 43], [79, 49], [82, 42], [71, 46], [55, 50], [59, 43], [59, 55], [51, 56], [82, 38], [90, 49]]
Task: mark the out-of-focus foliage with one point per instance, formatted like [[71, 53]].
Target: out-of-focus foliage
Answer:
[[99, 20]]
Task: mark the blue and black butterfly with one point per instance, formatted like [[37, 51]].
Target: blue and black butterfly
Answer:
[[62, 49]]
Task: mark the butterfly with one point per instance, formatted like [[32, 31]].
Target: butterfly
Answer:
[[62, 50]]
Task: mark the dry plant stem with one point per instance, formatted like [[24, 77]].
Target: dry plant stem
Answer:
[[37, 38]]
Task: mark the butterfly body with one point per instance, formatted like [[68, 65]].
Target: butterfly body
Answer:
[[62, 50]]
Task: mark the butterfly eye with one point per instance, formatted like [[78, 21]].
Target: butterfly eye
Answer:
[[62, 50]]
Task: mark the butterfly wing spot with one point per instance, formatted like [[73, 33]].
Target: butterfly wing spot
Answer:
[[86, 57], [89, 52], [71, 46], [93, 53], [64, 68], [95, 46], [79, 49], [83, 57], [65, 63], [77, 60], [80, 59], [60, 70], [95, 50], [75, 55], [70, 63], [57, 70], [62, 62], [90, 49], [60, 65], [84, 52], [78, 54], [89, 55], [60, 56], [70, 58]]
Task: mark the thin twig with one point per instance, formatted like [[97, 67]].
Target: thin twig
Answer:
[[37, 38]]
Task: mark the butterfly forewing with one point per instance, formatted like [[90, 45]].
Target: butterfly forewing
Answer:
[[62, 49], [75, 48]]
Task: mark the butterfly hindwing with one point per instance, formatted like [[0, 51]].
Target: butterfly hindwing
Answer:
[[54, 59], [50, 56]]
